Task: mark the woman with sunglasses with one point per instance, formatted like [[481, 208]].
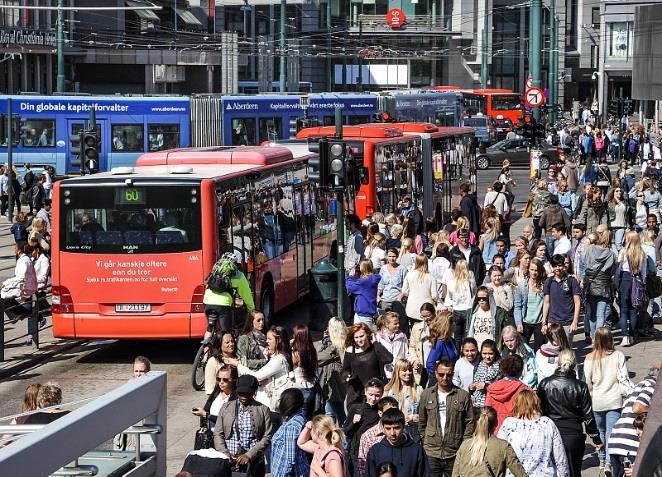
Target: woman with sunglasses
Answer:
[[222, 393], [486, 319], [223, 347]]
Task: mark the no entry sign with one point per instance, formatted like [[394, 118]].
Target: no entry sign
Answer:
[[395, 18], [534, 97]]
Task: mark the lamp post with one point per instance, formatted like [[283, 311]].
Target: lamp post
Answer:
[[60, 47], [283, 63]]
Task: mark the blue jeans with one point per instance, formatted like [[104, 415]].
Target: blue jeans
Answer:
[[368, 320], [600, 308], [336, 410], [605, 421], [627, 311], [619, 234]]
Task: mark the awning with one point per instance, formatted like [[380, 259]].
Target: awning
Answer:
[[148, 15], [188, 18]]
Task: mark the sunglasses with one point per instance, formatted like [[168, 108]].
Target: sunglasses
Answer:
[[482, 298], [223, 380]]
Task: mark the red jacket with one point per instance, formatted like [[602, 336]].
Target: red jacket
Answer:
[[501, 396]]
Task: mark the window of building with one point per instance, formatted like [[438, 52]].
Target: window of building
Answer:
[[271, 129], [39, 133], [243, 132], [619, 40], [595, 56], [595, 17], [128, 138], [571, 24], [162, 136]]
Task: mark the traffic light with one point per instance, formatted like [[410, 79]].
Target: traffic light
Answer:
[[337, 160], [318, 166], [538, 130], [384, 117], [526, 128], [357, 173], [89, 152]]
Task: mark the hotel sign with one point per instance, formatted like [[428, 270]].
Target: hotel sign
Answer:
[[27, 37]]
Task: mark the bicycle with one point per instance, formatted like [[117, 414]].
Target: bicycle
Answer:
[[204, 352]]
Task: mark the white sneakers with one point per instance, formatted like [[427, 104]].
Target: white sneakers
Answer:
[[625, 341]]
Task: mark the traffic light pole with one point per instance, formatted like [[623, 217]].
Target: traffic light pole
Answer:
[[534, 38], [10, 161], [340, 229], [484, 49]]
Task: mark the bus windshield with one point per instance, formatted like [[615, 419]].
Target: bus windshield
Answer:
[[136, 219], [506, 103]]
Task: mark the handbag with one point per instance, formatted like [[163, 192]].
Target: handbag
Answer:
[[625, 384], [204, 438], [528, 210], [653, 285], [276, 388]]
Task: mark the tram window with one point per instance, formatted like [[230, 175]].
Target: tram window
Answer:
[[77, 128], [358, 119], [128, 138], [445, 118], [39, 133], [329, 120], [243, 132], [162, 136], [271, 129]]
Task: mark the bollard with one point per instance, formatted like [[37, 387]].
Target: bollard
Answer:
[[35, 319], [2, 330]]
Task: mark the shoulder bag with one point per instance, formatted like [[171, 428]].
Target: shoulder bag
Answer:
[[277, 386], [204, 438], [625, 384]]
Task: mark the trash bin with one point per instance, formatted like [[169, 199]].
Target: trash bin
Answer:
[[323, 298]]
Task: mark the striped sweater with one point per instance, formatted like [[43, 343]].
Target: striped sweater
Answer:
[[624, 440]]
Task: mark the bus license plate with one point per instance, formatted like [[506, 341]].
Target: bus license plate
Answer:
[[133, 308]]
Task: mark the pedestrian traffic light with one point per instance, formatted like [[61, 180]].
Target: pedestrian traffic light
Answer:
[[338, 159], [384, 117], [90, 152], [318, 166], [74, 149], [539, 130], [19, 124], [357, 173]]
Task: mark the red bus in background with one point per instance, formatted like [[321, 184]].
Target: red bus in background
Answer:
[[131, 248], [417, 159], [499, 104]]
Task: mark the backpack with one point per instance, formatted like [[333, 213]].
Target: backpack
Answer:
[[638, 290], [220, 278], [632, 146]]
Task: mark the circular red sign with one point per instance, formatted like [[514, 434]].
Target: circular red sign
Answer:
[[395, 18]]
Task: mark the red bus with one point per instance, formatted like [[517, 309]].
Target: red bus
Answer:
[[132, 247], [499, 104], [419, 159]]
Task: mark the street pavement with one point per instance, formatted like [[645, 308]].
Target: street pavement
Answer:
[[92, 368]]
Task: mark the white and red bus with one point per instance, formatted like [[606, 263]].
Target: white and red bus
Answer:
[[421, 160], [132, 247]]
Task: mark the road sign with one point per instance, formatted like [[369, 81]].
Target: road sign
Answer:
[[395, 18], [534, 97], [529, 82]]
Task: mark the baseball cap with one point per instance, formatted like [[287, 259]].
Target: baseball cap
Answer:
[[247, 384]]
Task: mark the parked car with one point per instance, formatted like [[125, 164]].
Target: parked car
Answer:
[[484, 127], [517, 152]]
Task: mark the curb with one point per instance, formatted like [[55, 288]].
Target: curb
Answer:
[[36, 358]]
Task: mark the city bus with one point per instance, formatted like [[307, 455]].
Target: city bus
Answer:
[[131, 248], [127, 126], [498, 104], [443, 108], [417, 159]]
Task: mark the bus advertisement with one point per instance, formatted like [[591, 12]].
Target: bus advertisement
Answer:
[[131, 248], [439, 108], [127, 127]]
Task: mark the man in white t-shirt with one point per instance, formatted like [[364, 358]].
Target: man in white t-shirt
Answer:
[[497, 198], [562, 244]]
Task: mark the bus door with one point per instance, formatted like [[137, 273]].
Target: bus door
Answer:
[[242, 230], [304, 214], [75, 127]]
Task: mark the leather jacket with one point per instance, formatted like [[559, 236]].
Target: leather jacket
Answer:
[[567, 401]]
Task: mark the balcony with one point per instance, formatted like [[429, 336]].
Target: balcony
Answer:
[[415, 24]]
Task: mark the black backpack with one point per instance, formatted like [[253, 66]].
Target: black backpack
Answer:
[[220, 278]]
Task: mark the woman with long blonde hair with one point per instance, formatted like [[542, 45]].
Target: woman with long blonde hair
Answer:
[[633, 263], [487, 242], [535, 438], [407, 256], [404, 389], [323, 439], [518, 272], [442, 344], [460, 290], [607, 378], [485, 452], [419, 287], [376, 250], [330, 356]]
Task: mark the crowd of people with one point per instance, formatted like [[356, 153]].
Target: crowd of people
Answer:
[[460, 358], [31, 231]]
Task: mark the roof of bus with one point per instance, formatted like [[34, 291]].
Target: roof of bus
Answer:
[[251, 155], [366, 131], [194, 172]]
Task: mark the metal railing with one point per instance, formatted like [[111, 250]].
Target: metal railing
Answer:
[[74, 437], [36, 315]]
